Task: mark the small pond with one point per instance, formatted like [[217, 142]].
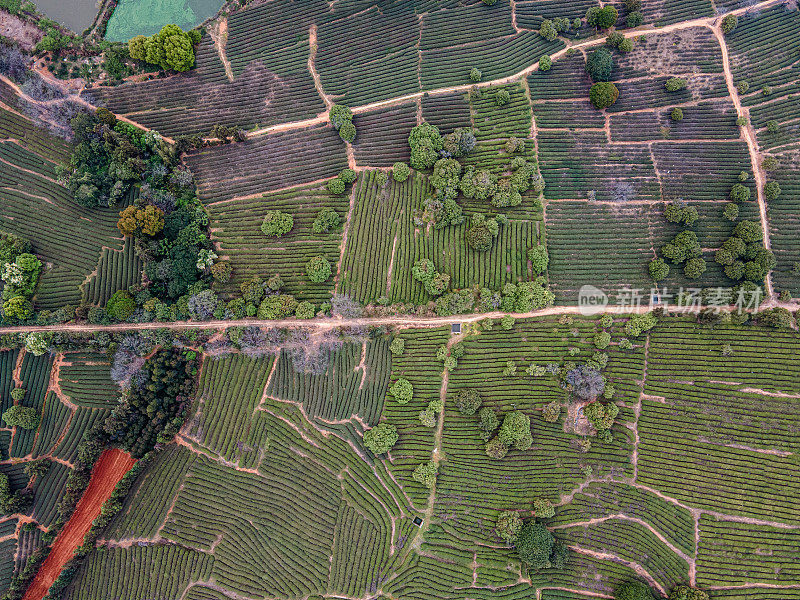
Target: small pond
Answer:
[[75, 14], [146, 17]]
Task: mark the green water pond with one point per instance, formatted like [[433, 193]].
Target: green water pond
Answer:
[[146, 17]]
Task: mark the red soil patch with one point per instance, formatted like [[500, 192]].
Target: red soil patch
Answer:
[[107, 472]]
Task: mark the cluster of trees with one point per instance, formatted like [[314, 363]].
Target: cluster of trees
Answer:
[[13, 502], [430, 149], [551, 28], [19, 272], [616, 40], [638, 590], [449, 356], [339, 184], [170, 48], [684, 249], [599, 66], [524, 296], [427, 416], [742, 255], [425, 272], [482, 231], [156, 402], [264, 299], [166, 219], [341, 117], [515, 432], [534, 543]]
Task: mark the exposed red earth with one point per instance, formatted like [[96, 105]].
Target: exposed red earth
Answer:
[[108, 470]]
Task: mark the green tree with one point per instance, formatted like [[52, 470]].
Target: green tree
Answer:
[[674, 84], [277, 223], [426, 473], [397, 346], [633, 590], [37, 342], [304, 310], [748, 231], [600, 64], [602, 339], [685, 592], [25, 417], [487, 422], [729, 23], [277, 306], [318, 269], [548, 31], [468, 401], [539, 258], [534, 545], [326, 220], [658, 269], [425, 142], [603, 94], [121, 305], [508, 526], [479, 237], [18, 307], [336, 186], [694, 268], [381, 438], [400, 171], [347, 131], [178, 50], [777, 318], [495, 448], [607, 17], [676, 114], [339, 115], [731, 211], [516, 431], [474, 75], [739, 193], [137, 47], [551, 411], [402, 390], [502, 97], [772, 190], [543, 508], [545, 62], [634, 19]]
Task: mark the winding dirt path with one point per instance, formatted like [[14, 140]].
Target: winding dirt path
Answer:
[[108, 470], [749, 135], [595, 41]]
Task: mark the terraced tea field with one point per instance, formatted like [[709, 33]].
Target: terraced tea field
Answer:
[[294, 304]]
